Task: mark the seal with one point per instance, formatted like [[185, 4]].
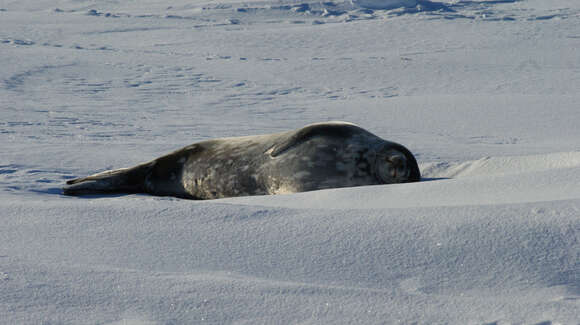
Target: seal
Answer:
[[317, 156]]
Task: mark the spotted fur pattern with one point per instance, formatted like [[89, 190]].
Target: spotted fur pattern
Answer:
[[318, 156]]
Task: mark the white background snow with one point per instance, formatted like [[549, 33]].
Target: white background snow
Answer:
[[485, 93]]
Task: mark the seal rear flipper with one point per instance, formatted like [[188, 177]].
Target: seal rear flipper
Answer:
[[124, 180]]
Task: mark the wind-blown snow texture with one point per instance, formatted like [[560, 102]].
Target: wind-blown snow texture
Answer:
[[485, 93]]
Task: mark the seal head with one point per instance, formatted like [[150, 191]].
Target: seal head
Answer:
[[395, 164]]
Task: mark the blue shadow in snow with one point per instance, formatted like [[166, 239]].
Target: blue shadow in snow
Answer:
[[430, 179], [450, 11]]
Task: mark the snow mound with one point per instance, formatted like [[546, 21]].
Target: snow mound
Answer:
[[493, 166], [487, 181]]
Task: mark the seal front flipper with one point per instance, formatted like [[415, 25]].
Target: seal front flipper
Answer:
[[124, 180]]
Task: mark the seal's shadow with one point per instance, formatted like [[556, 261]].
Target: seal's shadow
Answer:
[[430, 179], [51, 191], [58, 191]]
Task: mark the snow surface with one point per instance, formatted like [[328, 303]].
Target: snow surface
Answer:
[[485, 93]]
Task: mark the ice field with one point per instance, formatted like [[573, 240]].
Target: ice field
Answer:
[[485, 94]]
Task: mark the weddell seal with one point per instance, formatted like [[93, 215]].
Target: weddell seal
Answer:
[[317, 156]]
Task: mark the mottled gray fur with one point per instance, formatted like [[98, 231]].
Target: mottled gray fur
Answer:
[[318, 156]]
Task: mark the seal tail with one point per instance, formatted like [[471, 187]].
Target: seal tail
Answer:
[[124, 180]]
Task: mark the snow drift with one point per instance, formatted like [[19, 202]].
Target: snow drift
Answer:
[[485, 93]]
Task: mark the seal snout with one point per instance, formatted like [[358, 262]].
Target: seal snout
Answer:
[[396, 161], [392, 167], [397, 164]]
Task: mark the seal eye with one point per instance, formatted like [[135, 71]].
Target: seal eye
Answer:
[[396, 161]]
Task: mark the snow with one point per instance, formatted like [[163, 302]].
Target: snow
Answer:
[[384, 4], [484, 93]]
